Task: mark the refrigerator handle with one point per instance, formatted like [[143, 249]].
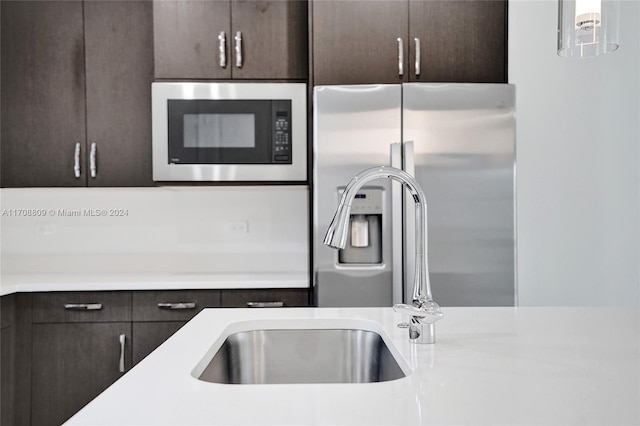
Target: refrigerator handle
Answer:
[[409, 223], [396, 227]]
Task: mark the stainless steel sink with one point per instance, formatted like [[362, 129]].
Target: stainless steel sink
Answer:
[[302, 356]]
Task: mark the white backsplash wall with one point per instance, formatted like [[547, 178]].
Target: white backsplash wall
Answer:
[[176, 230]]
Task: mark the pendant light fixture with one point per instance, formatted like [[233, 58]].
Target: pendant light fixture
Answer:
[[587, 28]]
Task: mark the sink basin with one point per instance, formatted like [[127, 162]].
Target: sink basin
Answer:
[[270, 356]]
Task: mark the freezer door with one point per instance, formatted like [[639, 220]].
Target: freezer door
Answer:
[[354, 127], [463, 155]]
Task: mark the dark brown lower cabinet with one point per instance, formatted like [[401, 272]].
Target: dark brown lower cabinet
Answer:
[[7, 393], [72, 363], [157, 314], [7, 360], [55, 359], [147, 336]]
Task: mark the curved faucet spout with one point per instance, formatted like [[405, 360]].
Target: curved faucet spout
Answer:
[[336, 237]]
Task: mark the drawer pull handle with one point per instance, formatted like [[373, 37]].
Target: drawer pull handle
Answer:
[[83, 306], [122, 340], [181, 305], [265, 304]]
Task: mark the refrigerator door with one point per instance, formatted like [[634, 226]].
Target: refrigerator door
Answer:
[[463, 155], [354, 127]]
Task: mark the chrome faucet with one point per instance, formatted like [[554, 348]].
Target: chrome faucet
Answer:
[[423, 312]]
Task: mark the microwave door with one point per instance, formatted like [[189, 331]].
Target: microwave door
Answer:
[[219, 132]]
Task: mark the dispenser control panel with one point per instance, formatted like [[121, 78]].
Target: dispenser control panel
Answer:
[[367, 201]]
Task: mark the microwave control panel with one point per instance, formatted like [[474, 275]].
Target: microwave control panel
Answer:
[[281, 146]]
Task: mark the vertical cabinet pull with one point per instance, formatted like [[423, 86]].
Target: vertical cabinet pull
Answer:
[[122, 340], [238, 39], [76, 161], [417, 64], [222, 49], [92, 160], [400, 57]]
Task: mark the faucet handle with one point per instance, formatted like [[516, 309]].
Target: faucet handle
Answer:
[[427, 313]]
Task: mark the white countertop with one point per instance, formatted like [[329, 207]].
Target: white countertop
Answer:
[[489, 366], [15, 283]]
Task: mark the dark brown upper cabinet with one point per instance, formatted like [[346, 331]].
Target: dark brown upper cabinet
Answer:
[[42, 95], [76, 93], [396, 41], [233, 39], [119, 73], [359, 42], [460, 41]]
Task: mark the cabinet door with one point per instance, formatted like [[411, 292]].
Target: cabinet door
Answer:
[[7, 369], [460, 41], [72, 363], [42, 101], [119, 72], [7, 363], [147, 336], [274, 39], [355, 42], [186, 44]]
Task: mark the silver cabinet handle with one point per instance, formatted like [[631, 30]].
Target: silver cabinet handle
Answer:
[[123, 337], [83, 306], [400, 57], [238, 39], [180, 305], [417, 64], [92, 160], [265, 304], [76, 161], [222, 48]]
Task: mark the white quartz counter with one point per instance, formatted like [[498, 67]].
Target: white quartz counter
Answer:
[[489, 366], [16, 283]]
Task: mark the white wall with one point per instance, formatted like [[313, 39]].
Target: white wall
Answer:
[[578, 162], [166, 230]]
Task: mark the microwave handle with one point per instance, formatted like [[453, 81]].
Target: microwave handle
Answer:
[[222, 48], [238, 39]]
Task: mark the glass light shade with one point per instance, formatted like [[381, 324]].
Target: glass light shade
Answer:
[[587, 28]]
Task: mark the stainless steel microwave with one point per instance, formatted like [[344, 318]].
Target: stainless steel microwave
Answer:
[[222, 132]]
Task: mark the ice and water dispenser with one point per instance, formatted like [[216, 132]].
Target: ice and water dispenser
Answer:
[[361, 273], [364, 240]]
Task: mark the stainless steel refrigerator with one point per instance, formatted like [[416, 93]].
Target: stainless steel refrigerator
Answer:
[[458, 140]]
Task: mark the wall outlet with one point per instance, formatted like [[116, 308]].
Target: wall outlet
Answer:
[[237, 227], [46, 228]]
